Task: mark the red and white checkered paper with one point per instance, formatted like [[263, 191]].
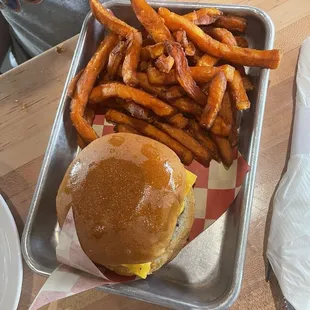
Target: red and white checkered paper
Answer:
[[215, 190]]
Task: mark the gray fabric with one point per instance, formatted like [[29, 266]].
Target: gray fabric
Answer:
[[39, 25]]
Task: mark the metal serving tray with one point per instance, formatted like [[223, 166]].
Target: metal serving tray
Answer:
[[207, 274]]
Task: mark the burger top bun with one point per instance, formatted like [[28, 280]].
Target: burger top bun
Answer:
[[125, 191]]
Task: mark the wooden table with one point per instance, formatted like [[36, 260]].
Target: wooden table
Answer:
[[29, 97]]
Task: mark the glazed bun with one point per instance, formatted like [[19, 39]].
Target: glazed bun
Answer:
[[178, 241], [126, 191]]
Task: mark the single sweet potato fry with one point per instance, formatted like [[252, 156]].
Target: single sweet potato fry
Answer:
[[187, 105], [223, 35], [109, 20], [151, 21], [180, 37], [221, 128], [150, 52], [178, 120], [116, 58], [242, 41], [205, 88], [72, 84], [159, 78], [102, 92], [136, 110], [164, 63], [233, 137], [203, 138], [199, 74], [156, 50], [232, 23], [85, 85], [183, 74], [238, 92], [194, 59], [189, 47], [225, 150], [201, 154], [243, 56], [151, 131], [125, 128], [110, 103], [216, 92], [89, 115], [204, 16], [207, 61], [150, 88], [225, 111], [174, 92], [161, 92], [228, 71], [132, 58]]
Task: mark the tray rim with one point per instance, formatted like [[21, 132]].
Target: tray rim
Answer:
[[228, 299]]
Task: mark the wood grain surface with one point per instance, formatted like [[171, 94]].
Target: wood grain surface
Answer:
[[29, 96]]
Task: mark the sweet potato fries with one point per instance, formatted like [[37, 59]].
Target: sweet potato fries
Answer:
[[178, 79], [85, 85], [243, 56]]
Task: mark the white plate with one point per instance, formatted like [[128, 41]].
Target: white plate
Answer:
[[11, 268]]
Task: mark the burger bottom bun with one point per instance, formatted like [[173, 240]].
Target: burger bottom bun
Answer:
[[179, 238]]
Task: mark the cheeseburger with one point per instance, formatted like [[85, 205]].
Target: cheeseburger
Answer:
[[132, 202]]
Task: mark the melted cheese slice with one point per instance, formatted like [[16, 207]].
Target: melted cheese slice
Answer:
[[190, 181], [142, 270]]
